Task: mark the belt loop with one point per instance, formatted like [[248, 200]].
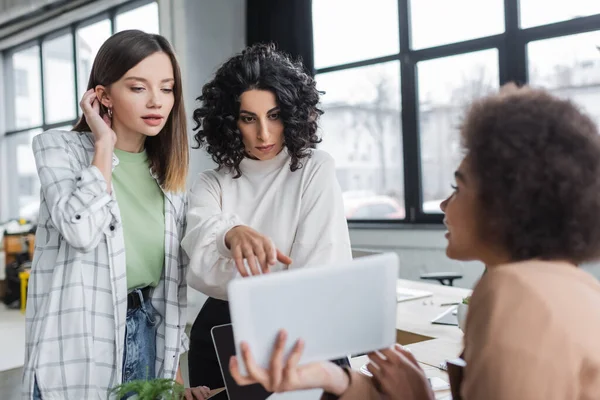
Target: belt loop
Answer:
[[141, 296]]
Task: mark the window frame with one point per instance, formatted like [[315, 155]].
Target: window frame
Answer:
[[513, 67], [110, 14]]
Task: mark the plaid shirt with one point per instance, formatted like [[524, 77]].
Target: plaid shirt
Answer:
[[77, 297]]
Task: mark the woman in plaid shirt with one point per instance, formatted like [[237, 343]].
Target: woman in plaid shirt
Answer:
[[107, 293]]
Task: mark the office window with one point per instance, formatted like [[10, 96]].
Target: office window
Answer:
[[23, 181], [24, 89], [438, 22], [443, 98], [569, 66], [398, 75], [346, 31], [59, 79], [144, 18], [541, 12], [361, 121], [89, 40], [21, 82]]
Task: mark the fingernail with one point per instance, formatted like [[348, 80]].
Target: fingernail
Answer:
[[406, 349]]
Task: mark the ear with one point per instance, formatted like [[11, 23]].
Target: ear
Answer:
[[103, 95]]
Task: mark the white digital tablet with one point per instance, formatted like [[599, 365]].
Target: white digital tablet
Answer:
[[337, 310]]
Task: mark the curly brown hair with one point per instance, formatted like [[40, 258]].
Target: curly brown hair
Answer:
[[261, 67], [536, 162]]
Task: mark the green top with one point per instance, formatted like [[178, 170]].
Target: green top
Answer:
[[142, 206]]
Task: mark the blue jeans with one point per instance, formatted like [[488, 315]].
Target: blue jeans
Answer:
[[36, 391], [139, 353]]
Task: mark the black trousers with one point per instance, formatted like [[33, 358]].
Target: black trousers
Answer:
[[202, 358]]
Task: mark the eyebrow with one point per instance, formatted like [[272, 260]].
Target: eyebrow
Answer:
[[459, 176], [137, 78], [242, 111]]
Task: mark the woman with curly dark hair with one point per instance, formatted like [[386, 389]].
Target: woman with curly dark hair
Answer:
[[526, 204], [274, 201]]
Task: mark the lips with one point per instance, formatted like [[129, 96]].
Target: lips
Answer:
[[265, 149], [153, 119]]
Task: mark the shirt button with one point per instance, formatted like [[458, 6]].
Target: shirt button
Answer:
[[112, 227]]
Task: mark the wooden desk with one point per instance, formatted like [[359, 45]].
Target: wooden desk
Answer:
[[13, 244], [430, 343], [414, 317]]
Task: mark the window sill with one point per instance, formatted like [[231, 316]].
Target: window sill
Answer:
[[395, 225]]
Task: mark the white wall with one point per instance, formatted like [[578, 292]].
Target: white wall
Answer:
[[420, 250], [424, 250], [204, 33]]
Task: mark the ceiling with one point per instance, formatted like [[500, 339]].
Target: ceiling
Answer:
[[16, 11]]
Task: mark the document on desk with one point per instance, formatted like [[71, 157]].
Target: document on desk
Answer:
[[447, 317], [437, 384], [405, 294], [433, 352]]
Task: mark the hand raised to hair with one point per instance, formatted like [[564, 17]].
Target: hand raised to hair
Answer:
[[101, 127]]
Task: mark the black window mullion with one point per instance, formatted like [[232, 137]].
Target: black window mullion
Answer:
[[42, 89], [112, 15], [43, 127], [22, 130], [75, 72], [9, 90], [59, 124], [453, 49], [573, 26], [410, 128], [512, 53], [358, 64]]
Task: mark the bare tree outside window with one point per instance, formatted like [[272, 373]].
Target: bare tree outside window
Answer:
[[446, 87], [362, 130]]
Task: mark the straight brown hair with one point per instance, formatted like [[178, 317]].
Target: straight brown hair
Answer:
[[168, 151]]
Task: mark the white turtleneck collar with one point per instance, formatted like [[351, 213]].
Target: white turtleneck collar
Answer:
[[249, 166]]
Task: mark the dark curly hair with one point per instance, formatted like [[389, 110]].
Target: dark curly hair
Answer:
[[261, 67], [536, 162]]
